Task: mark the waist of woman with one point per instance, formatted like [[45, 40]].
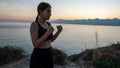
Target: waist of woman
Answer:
[[46, 45]]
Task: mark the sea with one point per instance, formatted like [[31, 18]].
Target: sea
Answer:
[[74, 38]]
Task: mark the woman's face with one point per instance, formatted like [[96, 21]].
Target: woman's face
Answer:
[[45, 14]]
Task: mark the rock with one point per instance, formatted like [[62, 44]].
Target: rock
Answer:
[[75, 56]]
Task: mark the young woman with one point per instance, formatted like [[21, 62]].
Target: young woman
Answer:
[[42, 35]]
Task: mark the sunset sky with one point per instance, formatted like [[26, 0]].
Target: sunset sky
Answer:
[[61, 9]]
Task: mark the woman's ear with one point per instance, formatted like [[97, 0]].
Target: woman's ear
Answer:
[[40, 12], [38, 16]]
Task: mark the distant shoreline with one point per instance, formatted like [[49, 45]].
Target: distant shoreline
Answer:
[[106, 22], [99, 22], [88, 24]]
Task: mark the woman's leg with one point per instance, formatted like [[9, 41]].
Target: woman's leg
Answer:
[[34, 61], [48, 59], [48, 63]]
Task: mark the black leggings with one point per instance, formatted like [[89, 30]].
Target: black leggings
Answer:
[[42, 58]]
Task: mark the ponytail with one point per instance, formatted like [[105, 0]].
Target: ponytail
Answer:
[[36, 20]]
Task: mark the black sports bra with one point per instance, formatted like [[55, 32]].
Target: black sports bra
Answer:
[[41, 32]]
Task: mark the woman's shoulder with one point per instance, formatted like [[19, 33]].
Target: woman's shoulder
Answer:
[[33, 25]]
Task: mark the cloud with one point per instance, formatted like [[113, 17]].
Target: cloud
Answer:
[[14, 10], [6, 8], [13, 6]]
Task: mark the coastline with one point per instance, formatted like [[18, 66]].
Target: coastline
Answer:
[[105, 57]]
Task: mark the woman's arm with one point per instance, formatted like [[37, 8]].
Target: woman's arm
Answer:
[[37, 42], [59, 29]]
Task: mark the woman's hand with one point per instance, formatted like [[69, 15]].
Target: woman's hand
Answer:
[[59, 28]]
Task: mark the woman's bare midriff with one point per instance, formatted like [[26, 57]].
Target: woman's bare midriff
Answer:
[[47, 44]]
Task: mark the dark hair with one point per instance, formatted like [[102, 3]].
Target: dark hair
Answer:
[[42, 6]]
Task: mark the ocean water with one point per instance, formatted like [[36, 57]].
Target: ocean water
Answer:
[[73, 39]]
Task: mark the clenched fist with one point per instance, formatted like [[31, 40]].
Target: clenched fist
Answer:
[[59, 28]]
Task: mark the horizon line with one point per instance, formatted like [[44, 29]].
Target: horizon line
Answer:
[[56, 19]]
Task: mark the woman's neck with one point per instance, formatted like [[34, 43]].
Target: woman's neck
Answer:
[[41, 20]]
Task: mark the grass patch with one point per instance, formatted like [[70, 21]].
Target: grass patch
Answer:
[[106, 64], [108, 57], [10, 53], [60, 58]]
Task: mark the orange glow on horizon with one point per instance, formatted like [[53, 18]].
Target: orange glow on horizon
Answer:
[[54, 17]]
